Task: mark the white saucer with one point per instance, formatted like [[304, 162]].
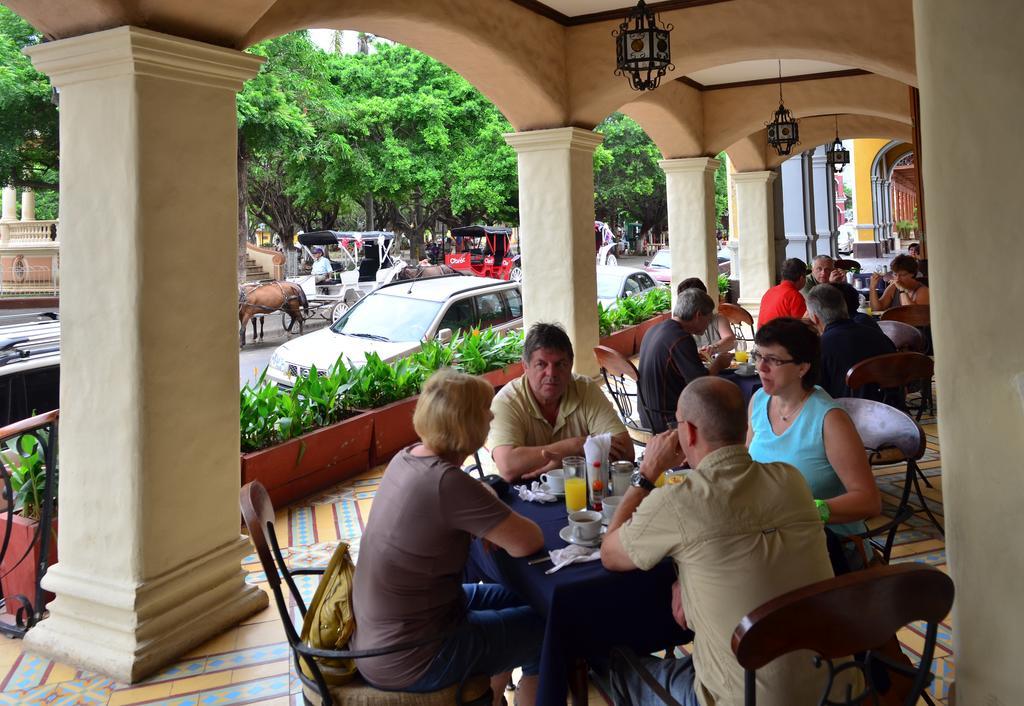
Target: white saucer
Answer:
[[751, 374], [566, 534], [545, 488]]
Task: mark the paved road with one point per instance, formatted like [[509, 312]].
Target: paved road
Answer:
[[255, 356]]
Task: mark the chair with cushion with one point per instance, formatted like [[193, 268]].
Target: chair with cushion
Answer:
[[891, 437], [621, 378], [854, 614], [905, 337], [738, 317], [258, 513], [895, 371]]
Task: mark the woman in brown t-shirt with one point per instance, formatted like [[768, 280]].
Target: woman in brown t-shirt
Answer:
[[408, 581]]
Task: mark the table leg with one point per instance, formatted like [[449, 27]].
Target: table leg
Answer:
[[578, 683]]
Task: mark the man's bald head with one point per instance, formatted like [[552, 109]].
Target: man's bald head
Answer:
[[715, 406]]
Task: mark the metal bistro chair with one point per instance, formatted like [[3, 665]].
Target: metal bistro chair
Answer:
[[258, 513], [889, 437], [905, 337], [853, 614], [616, 370], [895, 370], [738, 317], [848, 265]]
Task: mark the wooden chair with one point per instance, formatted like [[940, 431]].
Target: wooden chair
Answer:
[[617, 370], [853, 614], [848, 265], [905, 337], [890, 437], [918, 315], [895, 370], [737, 317], [258, 513]]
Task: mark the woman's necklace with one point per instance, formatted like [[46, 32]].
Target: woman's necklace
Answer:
[[796, 407]]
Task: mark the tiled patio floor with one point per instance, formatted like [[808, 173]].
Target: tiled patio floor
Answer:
[[249, 664]]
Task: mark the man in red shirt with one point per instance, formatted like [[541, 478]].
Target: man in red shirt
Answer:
[[785, 298]]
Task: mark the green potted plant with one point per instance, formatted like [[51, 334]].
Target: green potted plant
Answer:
[[26, 463]]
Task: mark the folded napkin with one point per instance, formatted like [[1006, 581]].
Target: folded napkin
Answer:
[[534, 494], [572, 554]]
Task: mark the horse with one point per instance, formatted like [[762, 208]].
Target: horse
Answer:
[[261, 299], [423, 270]]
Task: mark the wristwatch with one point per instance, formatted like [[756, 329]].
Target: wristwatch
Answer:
[[638, 481]]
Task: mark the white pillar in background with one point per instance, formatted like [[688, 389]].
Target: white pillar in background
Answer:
[[690, 197], [556, 234], [755, 214], [28, 205], [149, 540], [968, 65], [10, 204]]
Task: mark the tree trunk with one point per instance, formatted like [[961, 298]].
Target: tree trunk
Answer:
[[368, 206], [243, 201]]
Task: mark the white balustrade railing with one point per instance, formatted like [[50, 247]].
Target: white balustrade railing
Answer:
[[20, 232], [22, 279]]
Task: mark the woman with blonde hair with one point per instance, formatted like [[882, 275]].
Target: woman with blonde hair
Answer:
[[408, 581]]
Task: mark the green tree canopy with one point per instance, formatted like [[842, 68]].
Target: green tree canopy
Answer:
[[627, 179]]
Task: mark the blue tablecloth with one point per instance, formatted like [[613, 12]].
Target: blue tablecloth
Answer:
[[748, 384], [588, 609]]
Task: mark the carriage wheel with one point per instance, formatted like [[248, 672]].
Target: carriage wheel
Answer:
[[338, 311], [611, 260], [285, 318], [516, 274]]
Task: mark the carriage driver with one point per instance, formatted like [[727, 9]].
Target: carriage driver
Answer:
[[321, 266]]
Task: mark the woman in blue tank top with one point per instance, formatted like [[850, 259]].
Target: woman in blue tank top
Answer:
[[795, 421]]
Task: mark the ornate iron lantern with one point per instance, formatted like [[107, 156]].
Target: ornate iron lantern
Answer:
[[837, 156], [642, 51], [783, 130]]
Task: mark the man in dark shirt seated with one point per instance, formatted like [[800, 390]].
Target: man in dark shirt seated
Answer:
[[852, 297], [845, 343], [669, 358]]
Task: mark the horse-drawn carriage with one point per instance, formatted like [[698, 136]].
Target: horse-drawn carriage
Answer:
[[484, 251], [360, 262]]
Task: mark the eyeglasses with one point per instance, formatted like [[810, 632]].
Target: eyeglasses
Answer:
[[770, 360]]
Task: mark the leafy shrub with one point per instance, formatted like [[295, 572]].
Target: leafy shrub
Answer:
[[27, 462]]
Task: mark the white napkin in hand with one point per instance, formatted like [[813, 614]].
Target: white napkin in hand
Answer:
[[572, 554], [534, 494]]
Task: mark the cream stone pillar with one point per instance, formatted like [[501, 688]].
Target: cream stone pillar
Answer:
[[149, 539], [980, 389], [690, 196], [10, 204], [28, 205], [755, 217], [556, 234]]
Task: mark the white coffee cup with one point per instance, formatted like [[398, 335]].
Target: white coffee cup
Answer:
[[745, 368], [609, 505], [554, 480], [585, 525]]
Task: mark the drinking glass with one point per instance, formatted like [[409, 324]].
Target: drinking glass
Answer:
[[575, 470], [741, 355]]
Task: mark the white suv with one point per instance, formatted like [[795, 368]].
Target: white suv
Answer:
[[393, 320], [29, 367]]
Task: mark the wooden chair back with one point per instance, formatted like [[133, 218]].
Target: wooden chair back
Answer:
[[913, 314], [848, 265], [883, 427], [616, 363], [853, 614], [905, 337], [738, 317], [891, 370]]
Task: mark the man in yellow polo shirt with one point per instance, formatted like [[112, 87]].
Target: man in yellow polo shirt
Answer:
[[548, 412]]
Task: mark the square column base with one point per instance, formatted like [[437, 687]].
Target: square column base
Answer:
[[871, 249], [128, 632]]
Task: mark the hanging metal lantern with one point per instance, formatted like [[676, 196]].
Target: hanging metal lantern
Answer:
[[783, 130], [836, 155], [642, 51]]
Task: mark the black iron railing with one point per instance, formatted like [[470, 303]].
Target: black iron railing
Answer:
[[28, 483]]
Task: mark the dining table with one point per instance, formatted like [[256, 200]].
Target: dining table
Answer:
[[587, 609], [748, 384]]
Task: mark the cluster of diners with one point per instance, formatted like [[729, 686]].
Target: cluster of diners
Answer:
[[775, 493]]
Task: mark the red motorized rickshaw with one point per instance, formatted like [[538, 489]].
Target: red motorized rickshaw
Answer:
[[484, 251]]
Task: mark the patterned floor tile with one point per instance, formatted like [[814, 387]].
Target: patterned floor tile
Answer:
[[256, 690]]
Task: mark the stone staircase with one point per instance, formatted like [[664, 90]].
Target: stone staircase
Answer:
[[253, 272]]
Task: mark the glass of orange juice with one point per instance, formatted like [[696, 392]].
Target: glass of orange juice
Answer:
[[575, 470], [741, 356]]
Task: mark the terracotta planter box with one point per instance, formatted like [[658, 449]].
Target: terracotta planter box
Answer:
[[392, 429], [313, 461], [500, 378], [645, 326], [622, 342], [21, 579]]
